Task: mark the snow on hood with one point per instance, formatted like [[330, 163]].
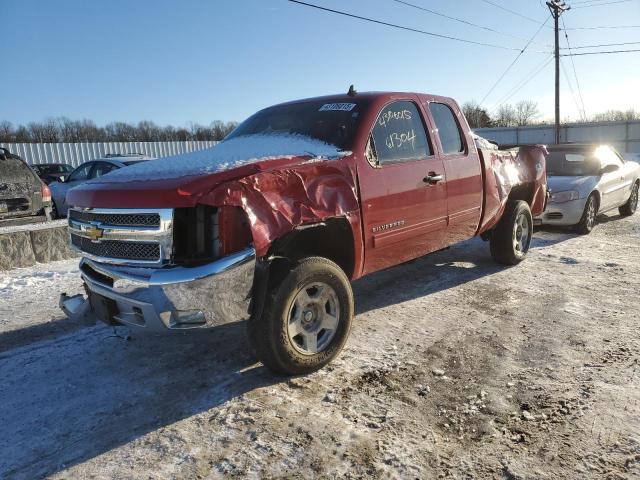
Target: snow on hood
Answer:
[[226, 155]]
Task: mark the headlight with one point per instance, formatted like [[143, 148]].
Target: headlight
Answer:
[[562, 197]]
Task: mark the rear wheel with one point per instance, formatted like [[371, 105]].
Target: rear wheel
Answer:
[[511, 238], [588, 220], [54, 210], [630, 207], [306, 318]]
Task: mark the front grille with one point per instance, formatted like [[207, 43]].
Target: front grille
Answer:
[[125, 250], [118, 219]]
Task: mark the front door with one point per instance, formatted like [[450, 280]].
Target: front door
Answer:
[[403, 189]]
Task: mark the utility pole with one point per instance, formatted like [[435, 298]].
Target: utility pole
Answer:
[[557, 7]]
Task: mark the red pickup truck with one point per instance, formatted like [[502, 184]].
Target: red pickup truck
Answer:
[[273, 223]]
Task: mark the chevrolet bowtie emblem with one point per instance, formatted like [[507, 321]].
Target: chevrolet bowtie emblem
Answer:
[[93, 232]]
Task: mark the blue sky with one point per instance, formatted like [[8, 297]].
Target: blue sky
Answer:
[[173, 61]]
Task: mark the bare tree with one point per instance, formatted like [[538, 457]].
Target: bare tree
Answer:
[[6, 132], [476, 116], [617, 116], [63, 129], [44, 132], [505, 116], [526, 111]]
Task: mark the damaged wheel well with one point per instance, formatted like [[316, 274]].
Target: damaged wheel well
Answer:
[[331, 239], [522, 192]]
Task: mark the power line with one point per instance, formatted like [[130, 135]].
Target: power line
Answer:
[[401, 27], [460, 20], [514, 61], [573, 94], [513, 12], [599, 53], [601, 45], [525, 80], [601, 4], [575, 74], [614, 27]]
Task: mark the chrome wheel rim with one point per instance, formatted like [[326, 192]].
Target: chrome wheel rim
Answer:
[[521, 232], [591, 213], [313, 318]]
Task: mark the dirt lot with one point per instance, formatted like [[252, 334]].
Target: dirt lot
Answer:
[[456, 367]]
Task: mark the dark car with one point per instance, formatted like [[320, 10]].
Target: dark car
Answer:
[[22, 193], [52, 172]]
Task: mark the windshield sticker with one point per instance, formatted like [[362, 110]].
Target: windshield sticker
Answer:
[[342, 107]]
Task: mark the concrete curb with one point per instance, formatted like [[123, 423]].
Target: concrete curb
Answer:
[[26, 248]]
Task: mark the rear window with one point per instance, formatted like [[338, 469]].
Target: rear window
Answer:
[[572, 164], [51, 169], [14, 169]]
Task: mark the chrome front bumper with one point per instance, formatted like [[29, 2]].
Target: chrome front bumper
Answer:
[[175, 298], [567, 213]]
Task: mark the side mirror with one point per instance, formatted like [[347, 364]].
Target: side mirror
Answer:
[[608, 169]]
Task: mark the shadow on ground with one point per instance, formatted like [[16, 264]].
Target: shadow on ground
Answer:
[[83, 391]]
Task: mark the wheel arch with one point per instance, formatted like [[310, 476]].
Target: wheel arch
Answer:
[[331, 238]]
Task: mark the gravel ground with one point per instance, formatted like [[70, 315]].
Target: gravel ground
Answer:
[[456, 367]]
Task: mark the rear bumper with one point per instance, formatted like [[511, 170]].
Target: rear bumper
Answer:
[[568, 213], [178, 298]]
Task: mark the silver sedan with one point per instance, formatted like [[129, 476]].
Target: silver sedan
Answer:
[[585, 180]]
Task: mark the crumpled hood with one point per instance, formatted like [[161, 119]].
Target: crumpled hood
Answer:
[[584, 185], [179, 181]]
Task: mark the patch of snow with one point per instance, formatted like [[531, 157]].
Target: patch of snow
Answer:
[[29, 227], [228, 154], [39, 277]]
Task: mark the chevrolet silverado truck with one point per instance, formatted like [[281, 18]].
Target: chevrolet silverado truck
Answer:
[[272, 224]]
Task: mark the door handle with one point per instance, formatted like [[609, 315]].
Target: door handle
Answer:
[[433, 178]]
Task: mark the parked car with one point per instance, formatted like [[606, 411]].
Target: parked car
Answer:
[[22, 193], [588, 179], [52, 172], [85, 172], [274, 222]]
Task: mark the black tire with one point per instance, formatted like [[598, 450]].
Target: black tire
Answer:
[[270, 335], [630, 207], [511, 238], [588, 220], [54, 210]]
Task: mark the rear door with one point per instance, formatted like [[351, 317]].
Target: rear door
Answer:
[[403, 189], [463, 170]]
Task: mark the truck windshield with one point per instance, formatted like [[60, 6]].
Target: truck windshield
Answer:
[[332, 123], [572, 164]]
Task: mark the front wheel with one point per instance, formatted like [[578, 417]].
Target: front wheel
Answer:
[[588, 220], [306, 318], [630, 207], [511, 238]]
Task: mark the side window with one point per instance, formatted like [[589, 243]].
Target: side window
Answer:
[[448, 129], [398, 135], [102, 168], [608, 157], [80, 173]]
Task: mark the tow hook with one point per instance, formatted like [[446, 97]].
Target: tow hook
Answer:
[[75, 306]]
